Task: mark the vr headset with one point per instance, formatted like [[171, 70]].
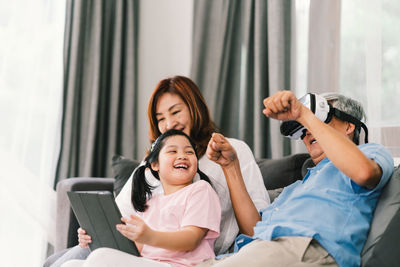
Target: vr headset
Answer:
[[323, 111]]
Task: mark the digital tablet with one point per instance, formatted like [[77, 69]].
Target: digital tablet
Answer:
[[98, 214]]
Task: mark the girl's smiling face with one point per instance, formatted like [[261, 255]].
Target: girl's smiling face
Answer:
[[177, 163]]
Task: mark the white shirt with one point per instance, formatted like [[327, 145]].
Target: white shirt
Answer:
[[252, 179]]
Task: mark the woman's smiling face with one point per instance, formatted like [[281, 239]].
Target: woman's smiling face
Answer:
[[173, 113]]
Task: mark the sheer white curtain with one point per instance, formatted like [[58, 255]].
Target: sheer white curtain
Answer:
[[355, 50], [299, 70], [370, 65], [31, 34]]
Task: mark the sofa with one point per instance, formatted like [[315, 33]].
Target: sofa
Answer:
[[381, 248]]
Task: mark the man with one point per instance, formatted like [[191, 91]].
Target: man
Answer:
[[322, 220]]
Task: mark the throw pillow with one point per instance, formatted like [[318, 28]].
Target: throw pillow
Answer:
[[123, 168]]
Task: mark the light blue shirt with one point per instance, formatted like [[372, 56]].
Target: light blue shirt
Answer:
[[328, 206]]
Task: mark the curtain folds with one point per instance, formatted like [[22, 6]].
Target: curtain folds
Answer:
[[241, 54], [100, 86], [324, 46]]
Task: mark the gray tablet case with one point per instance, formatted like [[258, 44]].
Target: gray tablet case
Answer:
[[98, 214]]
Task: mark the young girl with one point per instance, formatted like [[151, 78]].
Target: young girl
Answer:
[[177, 228]]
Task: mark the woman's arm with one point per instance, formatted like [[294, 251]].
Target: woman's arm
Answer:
[[186, 239], [251, 174], [220, 151]]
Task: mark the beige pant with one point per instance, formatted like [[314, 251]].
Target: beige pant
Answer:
[[283, 251]]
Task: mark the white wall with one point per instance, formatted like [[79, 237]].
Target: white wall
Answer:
[[165, 42]]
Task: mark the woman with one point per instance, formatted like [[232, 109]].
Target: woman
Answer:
[[177, 103]]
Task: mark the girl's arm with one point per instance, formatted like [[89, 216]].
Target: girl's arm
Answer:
[[138, 231], [83, 238], [139, 246]]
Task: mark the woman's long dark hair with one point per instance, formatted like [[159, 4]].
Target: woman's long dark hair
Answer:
[[141, 189]]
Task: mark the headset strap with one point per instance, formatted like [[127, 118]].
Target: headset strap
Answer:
[[346, 117], [312, 103]]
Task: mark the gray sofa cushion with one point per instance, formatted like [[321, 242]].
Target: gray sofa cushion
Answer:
[[278, 173], [379, 249]]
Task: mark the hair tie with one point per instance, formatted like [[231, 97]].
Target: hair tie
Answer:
[[153, 145]]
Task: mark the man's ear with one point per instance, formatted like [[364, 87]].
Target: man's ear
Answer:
[[350, 128], [155, 166]]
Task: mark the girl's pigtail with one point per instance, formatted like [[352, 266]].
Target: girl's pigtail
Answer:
[[141, 190], [204, 177]]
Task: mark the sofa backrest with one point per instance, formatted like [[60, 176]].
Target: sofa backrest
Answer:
[[278, 173]]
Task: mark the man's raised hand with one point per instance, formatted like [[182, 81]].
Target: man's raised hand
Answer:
[[283, 106]]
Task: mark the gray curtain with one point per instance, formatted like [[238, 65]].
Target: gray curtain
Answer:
[[324, 46], [100, 86], [242, 54]]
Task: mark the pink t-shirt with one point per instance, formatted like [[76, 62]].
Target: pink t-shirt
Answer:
[[194, 205]]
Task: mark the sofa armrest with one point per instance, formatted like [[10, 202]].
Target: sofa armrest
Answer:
[[66, 223], [381, 248]]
